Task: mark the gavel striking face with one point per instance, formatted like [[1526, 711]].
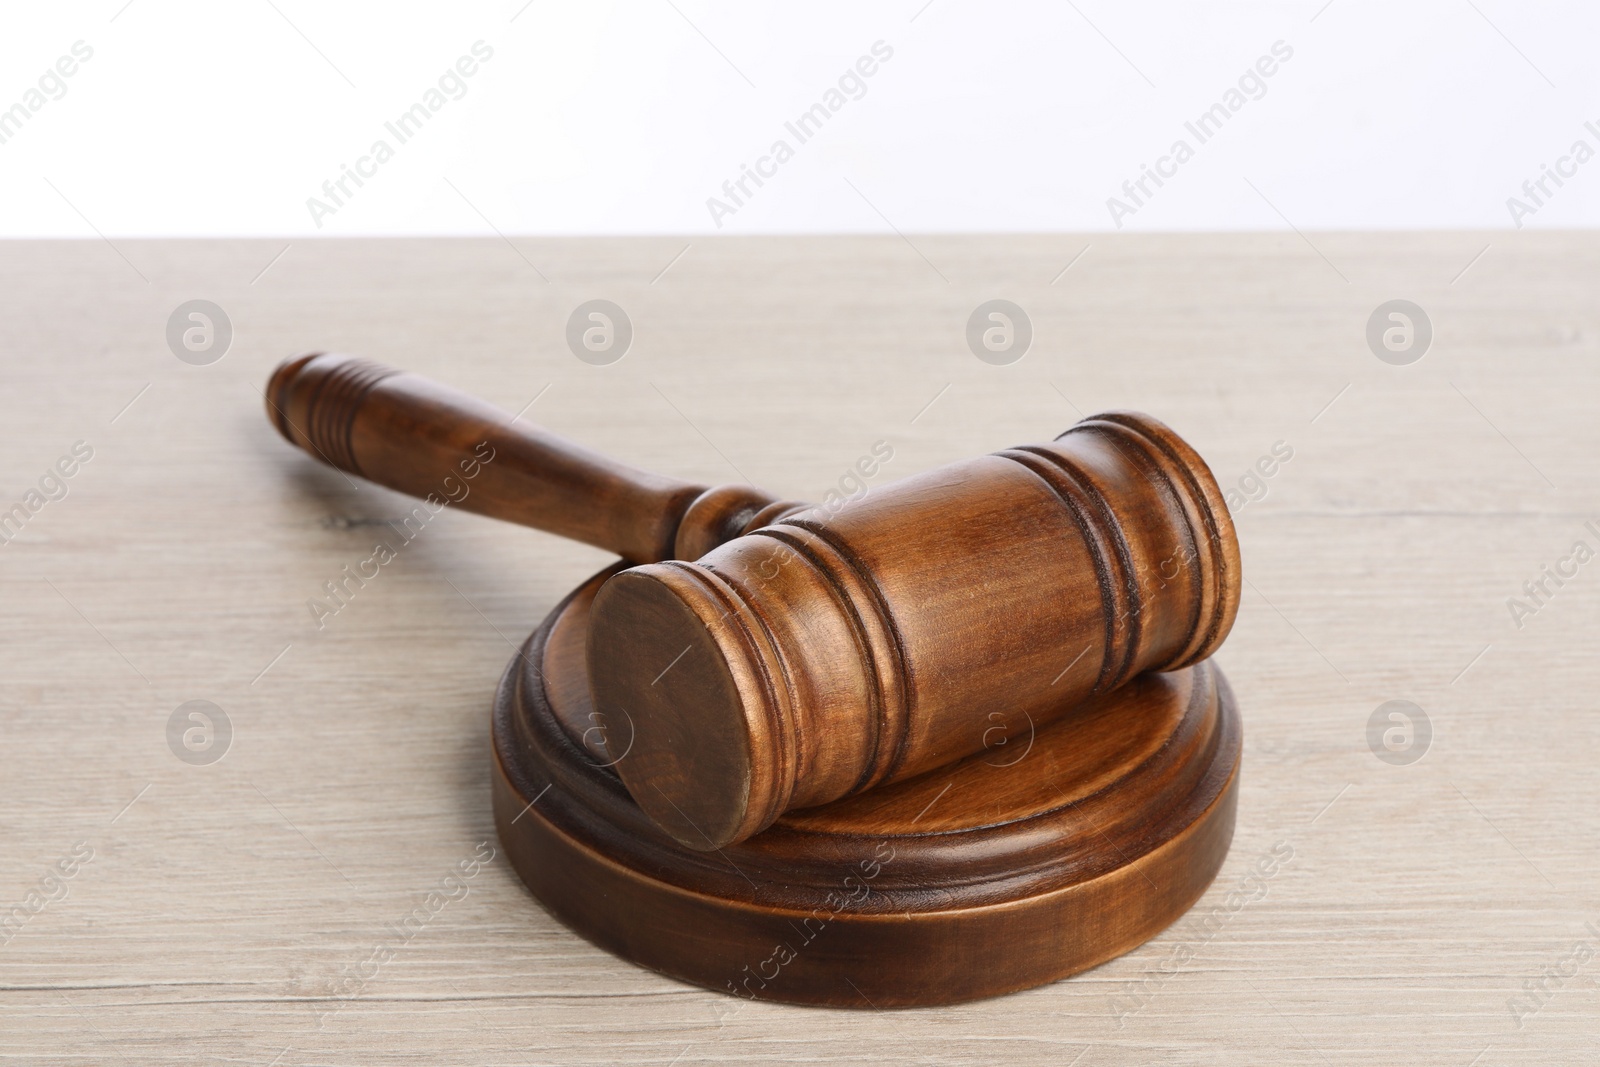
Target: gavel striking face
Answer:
[[771, 656]]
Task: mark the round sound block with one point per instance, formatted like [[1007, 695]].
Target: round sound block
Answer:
[[1050, 852]]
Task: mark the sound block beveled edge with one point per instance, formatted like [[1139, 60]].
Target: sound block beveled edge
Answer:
[[855, 904]]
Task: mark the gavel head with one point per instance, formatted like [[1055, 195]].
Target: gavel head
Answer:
[[824, 654]]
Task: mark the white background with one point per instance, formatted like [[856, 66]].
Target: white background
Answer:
[[223, 118]]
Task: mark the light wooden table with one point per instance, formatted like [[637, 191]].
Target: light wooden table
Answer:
[[230, 912]]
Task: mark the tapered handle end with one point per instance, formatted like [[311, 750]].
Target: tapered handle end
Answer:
[[313, 399]]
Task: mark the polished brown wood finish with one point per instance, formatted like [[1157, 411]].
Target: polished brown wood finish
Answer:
[[812, 653], [826, 654], [414, 435], [1055, 849]]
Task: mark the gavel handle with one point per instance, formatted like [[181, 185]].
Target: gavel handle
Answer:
[[427, 440]]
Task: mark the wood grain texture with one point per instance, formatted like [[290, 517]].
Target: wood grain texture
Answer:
[[1058, 848], [839, 646], [445, 447], [258, 907], [823, 653], [839, 649]]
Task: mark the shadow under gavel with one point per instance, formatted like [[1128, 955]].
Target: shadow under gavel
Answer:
[[773, 656]]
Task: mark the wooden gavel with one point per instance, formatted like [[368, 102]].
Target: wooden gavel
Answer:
[[770, 655]]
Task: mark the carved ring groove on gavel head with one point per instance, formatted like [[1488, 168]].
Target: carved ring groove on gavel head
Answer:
[[819, 656], [806, 656]]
